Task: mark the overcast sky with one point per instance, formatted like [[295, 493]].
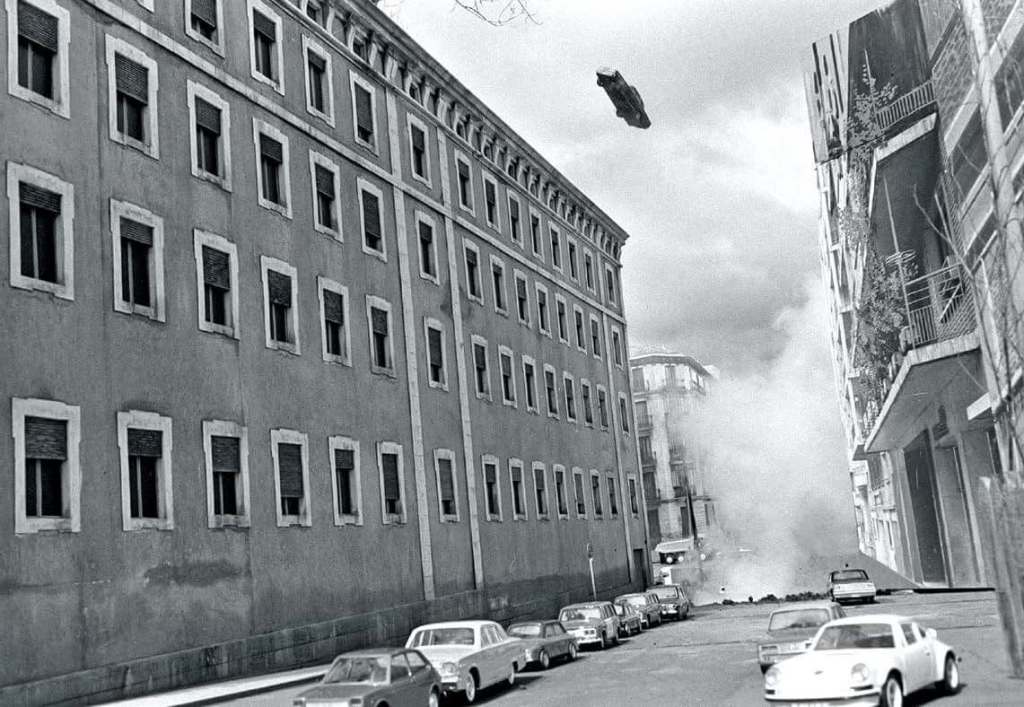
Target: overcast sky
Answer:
[[718, 195]]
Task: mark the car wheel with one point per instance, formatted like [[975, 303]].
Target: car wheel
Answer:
[[573, 651], [604, 642], [950, 682], [471, 686], [764, 668], [615, 639], [434, 700], [892, 692], [511, 680], [544, 660]]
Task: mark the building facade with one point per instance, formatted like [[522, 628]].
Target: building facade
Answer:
[[311, 348], [668, 392]]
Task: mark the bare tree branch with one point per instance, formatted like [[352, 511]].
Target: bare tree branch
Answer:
[[498, 12]]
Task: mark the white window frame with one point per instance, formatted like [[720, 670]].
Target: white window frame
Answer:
[[477, 340], [266, 264], [218, 46], [305, 517], [436, 324], [61, 104], [484, 461], [572, 257], [535, 408], [469, 245], [17, 173], [318, 159], [546, 515], [486, 179], [513, 462], [591, 285], [618, 355], [623, 412], [355, 79], [71, 476], [212, 240], [596, 352], [396, 449], [225, 428], [539, 251], [510, 197], [265, 10], [495, 260], [587, 401], [310, 45], [565, 305], [152, 145], [322, 284], [569, 383], [557, 469], [512, 402], [374, 302], [609, 414], [411, 122], [334, 443], [471, 207], [422, 217], [197, 89], [363, 186], [260, 127], [157, 311], [541, 327], [577, 472], [553, 229], [548, 368], [143, 420], [518, 275], [448, 454], [578, 310]]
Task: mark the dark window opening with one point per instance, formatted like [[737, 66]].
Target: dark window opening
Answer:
[[364, 114], [344, 474], [372, 232], [208, 127], [279, 292], [480, 363], [226, 467], [563, 509], [204, 18], [472, 273], [491, 484], [39, 211], [392, 485], [145, 449], [419, 151], [426, 233], [289, 473], [334, 322], [45, 454], [38, 35], [380, 333], [541, 490], [317, 66], [446, 481], [517, 492], [136, 249], [264, 35], [271, 161], [325, 197], [216, 286], [531, 395], [132, 82], [435, 356]]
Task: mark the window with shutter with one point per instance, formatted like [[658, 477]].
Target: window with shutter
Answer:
[[380, 331], [595, 485], [145, 449], [541, 491], [264, 45], [325, 197], [480, 362], [446, 487], [334, 322], [419, 151], [581, 501], [522, 300], [613, 502], [289, 471], [317, 71], [136, 248], [513, 218], [518, 497], [132, 84], [472, 274], [271, 162], [426, 233], [435, 356], [208, 131], [491, 202], [40, 211], [363, 101], [508, 386], [203, 19], [279, 296], [38, 35], [372, 233], [391, 484], [225, 463], [45, 455], [216, 286], [491, 487], [344, 471]]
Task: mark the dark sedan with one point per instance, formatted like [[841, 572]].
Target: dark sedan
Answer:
[[673, 600], [544, 641], [385, 676]]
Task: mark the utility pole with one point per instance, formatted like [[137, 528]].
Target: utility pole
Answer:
[[590, 559]]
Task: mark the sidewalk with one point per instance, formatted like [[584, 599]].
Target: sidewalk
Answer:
[[230, 689]]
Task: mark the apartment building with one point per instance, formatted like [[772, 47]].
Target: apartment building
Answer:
[[305, 347]]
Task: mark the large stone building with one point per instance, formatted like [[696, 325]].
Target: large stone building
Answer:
[[304, 346]]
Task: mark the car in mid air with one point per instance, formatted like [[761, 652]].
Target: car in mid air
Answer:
[[384, 676], [850, 585], [865, 660], [592, 623], [646, 603], [791, 630], [469, 655], [544, 641], [674, 602], [630, 622]]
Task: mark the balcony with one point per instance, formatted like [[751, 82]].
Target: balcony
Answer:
[[939, 307], [648, 459], [643, 421], [906, 105]]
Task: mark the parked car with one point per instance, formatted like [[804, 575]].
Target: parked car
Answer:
[[591, 623], [544, 641], [646, 603], [850, 585], [469, 655], [673, 600], [791, 630], [865, 660], [630, 622], [385, 676]]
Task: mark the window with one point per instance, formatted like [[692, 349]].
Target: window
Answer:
[[540, 489], [427, 247], [319, 81], [624, 411], [530, 383], [613, 501], [280, 293], [316, 11], [595, 336], [264, 51], [272, 173], [515, 472], [47, 474], [588, 413], [515, 226], [617, 346], [144, 441], [536, 241], [465, 182], [570, 397], [551, 391], [473, 287], [203, 20], [561, 319], [325, 177], [570, 246], [335, 343], [561, 499], [390, 463], [419, 155], [522, 298], [581, 337], [42, 213], [492, 489], [543, 318], [556, 248], [364, 111], [38, 37], [483, 381], [498, 282], [382, 349], [132, 93], [634, 505], [609, 279], [290, 451], [370, 198], [595, 488], [216, 279], [210, 133], [226, 454], [508, 376], [447, 499], [580, 497], [437, 373], [602, 406], [138, 255], [490, 201], [345, 481], [588, 270]]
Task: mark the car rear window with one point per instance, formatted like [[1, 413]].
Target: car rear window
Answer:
[[850, 576], [846, 636], [525, 630], [797, 618], [580, 614], [443, 637], [666, 592]]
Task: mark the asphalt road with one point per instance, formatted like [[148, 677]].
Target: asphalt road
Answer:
[[710, 659]]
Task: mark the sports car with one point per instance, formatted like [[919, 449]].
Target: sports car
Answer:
[[864, 660]]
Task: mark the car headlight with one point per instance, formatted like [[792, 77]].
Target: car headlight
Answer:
[[590, 632], [771, 678], [860, 674], [449, 668]]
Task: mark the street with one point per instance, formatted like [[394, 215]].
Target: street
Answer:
[[709, 660]]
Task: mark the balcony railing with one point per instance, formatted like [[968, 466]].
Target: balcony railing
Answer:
[[907, 104], [939, 307]]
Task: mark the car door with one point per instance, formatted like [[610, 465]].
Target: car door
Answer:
[[554, 641], [422, 679], [917, 657], [401, 693], [485, 658], [510, 651]]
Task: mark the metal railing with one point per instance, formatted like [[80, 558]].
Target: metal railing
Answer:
[[907, 104], [939, 307]]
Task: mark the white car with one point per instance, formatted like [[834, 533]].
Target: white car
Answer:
[[469, 655], [850, 585], [864, 660]]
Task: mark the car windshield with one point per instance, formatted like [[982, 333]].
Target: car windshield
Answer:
[[850, 576], [443, 637], [666, 592], [845, 636], [580, 614], [797, 618], [525, 630], [358, 669], [636, 601]]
